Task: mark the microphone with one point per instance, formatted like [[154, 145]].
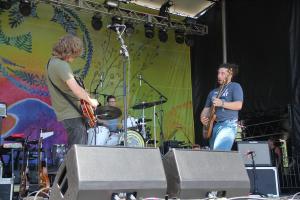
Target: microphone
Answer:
[[140, 78], [250, 152], [101, 80]]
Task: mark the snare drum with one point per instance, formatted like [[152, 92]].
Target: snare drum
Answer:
[[134, 139], [100, 133]]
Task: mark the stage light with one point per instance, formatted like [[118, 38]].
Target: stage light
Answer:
[[149, 27], [162, 34], [5, 4], [189, 40], [179, 36], [149, 30], [97, 22], [25, 7], [129, 28]]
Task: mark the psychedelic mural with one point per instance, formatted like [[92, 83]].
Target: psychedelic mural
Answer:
[[25, 47]]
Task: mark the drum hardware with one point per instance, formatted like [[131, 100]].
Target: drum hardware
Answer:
[[108, 112], [143, 105]]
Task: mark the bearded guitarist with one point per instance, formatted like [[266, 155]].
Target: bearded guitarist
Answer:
[[65, 92], [220, 114]]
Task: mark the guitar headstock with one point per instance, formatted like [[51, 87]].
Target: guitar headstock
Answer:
[[232, 71]]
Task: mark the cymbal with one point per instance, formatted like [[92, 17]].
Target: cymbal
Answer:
[[140, 120], [147, 104], [108, 112]]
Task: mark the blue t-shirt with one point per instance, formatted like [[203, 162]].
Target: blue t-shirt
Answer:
[[112, 125], [231, 92]]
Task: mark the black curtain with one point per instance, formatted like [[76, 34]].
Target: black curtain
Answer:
[[294, 33], [258, 41], [206, 54]]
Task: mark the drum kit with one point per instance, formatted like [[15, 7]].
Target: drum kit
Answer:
[[137, 133]]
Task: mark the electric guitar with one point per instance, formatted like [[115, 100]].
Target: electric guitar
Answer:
[[24, 182], [87, 109], [207, 129]]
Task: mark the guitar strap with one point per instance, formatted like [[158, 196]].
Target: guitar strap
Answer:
[[62, 93], [224, 89]]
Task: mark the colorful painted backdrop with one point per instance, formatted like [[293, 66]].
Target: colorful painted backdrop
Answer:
[[25, 47]]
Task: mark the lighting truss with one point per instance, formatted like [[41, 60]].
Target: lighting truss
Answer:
[[135, 16]]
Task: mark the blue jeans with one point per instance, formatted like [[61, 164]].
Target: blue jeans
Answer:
[[223, 135]]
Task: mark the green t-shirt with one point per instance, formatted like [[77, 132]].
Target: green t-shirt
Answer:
[[59, 72]]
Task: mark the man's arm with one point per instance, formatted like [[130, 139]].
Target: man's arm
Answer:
[[236, 105], [80, 92], [204, 115]]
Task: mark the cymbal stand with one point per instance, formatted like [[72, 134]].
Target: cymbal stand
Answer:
[[154, 125], [125, 54], [104, 98], [143, 124], [161, 115]]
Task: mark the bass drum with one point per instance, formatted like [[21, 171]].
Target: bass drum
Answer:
[[134, 139]]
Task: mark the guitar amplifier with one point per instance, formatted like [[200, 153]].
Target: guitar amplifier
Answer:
[[260, 151], [6, 188]]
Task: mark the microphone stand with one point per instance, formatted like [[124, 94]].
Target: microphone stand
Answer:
[[162, 99], [95, 90], [255, 189], [125, 54], [104, 98]]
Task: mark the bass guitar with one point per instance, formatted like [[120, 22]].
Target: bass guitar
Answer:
[[207, 129]]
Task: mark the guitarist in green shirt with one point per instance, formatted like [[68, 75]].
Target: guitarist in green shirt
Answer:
[[65, 92]]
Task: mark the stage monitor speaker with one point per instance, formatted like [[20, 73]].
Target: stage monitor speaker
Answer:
[[198, 174], [95, 172], [266, 180], [261, 152], [6, 188]]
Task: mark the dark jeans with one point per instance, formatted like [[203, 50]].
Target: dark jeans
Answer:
[[76, 131]]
